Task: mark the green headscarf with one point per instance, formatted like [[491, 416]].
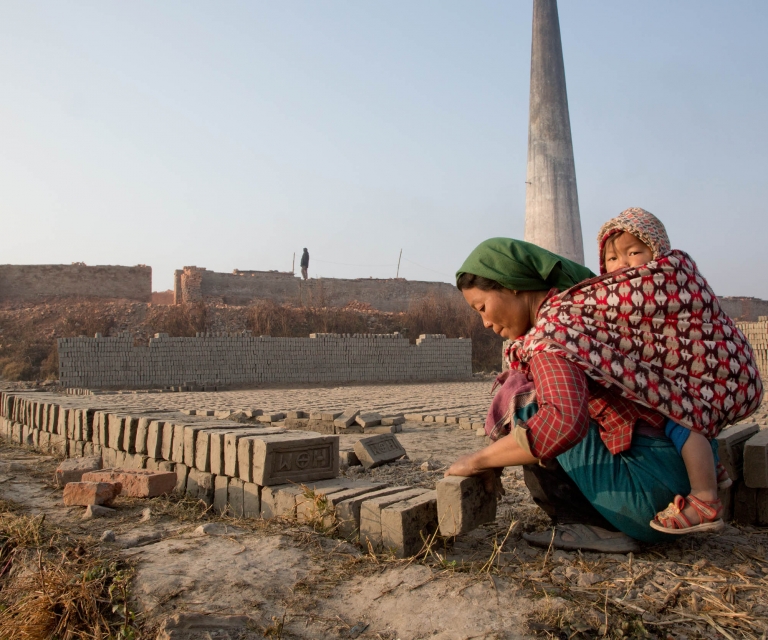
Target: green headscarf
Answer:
[[522, 266]]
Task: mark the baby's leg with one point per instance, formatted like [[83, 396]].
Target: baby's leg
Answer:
[[684, 514], [700, 465]]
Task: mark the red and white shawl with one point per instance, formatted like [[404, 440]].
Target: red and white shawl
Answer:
[[655, 332]]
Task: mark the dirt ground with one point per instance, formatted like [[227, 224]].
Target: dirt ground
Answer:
[[296, 582]]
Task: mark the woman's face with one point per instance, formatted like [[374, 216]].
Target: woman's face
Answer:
[[507, 313]]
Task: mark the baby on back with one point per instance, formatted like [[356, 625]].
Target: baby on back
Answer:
[[632, 239]]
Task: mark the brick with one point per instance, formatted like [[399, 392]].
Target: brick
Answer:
[[347, 418], [351, 429], [312, 502], [203, 450], [167, 444], [182, 471], [141, 435], [130, 427], [100, 433], [61, 424], [730, 447], [463, 504], [115, 426], [378, 450], [762, 507], [245, 458], [348, 459], [347, 511], [370, 515], [87, 493], [321, 426], [294, 457], [756, 461], [296, 423], [59, 445], [366, 420], [177, 445], [744, 504], [251, 500], [138, 483], [134, 461], [190, 442], [120, 460], [235, 497], [155, 439], [220, 494], [324, 512], [231, 452], [200, 485], [406, 527], [280, 500], [72, 469], [216, 449], [271, 417], [296, 415], [392, 420], [726, 499], [392, 428]]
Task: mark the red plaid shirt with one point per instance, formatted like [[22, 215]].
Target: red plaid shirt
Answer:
[[568, 399]]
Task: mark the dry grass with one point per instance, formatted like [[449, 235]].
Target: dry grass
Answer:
[[52, 587]]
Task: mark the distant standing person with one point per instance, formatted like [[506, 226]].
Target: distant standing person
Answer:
[[304, 263]]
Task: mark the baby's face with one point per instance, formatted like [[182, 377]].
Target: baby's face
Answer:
[[625, 250]]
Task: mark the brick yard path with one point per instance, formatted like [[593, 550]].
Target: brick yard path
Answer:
[[470, 398]]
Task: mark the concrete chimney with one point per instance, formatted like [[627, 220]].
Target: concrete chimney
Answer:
[[552, 216]]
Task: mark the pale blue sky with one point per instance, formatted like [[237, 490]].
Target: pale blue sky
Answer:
[[231, 134]]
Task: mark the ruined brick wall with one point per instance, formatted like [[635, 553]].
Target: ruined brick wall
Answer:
[[383, 294], [35, 282], [243, 287], [241, 359], [744, 309]]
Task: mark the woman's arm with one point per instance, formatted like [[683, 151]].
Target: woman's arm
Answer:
[[506, 452], [561, 421]]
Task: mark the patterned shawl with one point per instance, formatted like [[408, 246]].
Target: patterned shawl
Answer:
[[655, 332]]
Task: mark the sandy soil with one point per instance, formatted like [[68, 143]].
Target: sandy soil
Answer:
[[278, 573], [294, 582]]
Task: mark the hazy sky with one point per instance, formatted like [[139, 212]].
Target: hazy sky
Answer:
[[232, 134]]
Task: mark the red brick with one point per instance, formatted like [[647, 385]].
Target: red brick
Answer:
[[141, 483], [88, 493]]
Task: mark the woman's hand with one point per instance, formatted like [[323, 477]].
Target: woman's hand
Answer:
[[467, 466]]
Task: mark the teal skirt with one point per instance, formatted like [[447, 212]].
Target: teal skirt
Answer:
[[628, 488]]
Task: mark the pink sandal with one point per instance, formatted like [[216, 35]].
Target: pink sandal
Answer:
[[672, 520]]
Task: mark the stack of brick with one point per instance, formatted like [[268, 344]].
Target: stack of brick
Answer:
[[238, 359], [248, 470], [757, 334], [743, 449]]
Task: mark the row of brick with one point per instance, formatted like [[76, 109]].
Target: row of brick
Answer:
[[245, 470], [116, 362]]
